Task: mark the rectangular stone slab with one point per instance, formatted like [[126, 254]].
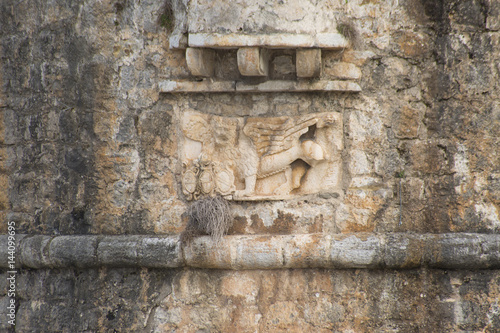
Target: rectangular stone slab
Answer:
[[272, 41], [260, 158], [172, 86]]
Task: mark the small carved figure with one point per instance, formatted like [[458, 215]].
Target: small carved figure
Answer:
[[246, 151]]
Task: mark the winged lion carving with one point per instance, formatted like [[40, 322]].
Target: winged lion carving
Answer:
[[257, 148]]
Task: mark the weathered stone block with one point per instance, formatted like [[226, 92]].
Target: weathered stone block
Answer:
[[324, 313], [356, 251], [272, 41], [201, 252], [428, 157], [255, 253], [78, 251], [413, 45], [357, 58], [404, 251], [240, 285], [344, 71], [267, 86], [308, 62], [283, 67], [493, 18], [296, 86], [307, 251], [201, 62], [407, 123], [166, 248], [34, 252], [253, 61], [359, 163], [464, 251], [118, 251]]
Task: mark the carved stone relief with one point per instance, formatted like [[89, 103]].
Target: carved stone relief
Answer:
[[260, 158]]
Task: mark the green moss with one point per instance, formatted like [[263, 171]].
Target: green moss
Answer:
[[166, 19]]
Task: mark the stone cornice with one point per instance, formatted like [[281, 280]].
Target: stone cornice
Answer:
[[339, 251]]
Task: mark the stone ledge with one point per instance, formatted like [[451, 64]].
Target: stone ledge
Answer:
[[208, 86], [272, 41], [339, 251]]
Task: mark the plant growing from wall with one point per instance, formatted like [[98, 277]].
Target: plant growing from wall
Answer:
[[208, 216], [349, 31], [166, 18]]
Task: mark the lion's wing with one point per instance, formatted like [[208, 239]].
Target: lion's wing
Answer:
[[274, 135]]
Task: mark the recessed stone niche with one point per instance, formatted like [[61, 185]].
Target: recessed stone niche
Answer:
[[255, 30], [260, 158]]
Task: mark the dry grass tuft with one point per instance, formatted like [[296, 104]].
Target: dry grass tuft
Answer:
[[350, 32], [208, 216]]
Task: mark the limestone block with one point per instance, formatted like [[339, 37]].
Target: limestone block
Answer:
[[353, 251], [168, 249], [273, 41], [252, 253], [78, 251], [260, 158], [413, 45], [205, 254], [201, 62], [196, 86], [465, 251], [358, 250], [34, 252], [493, 18], [358, 58], [240, 285], [253, 61], [283, 85], [118, 251], [307, 251], [171, 86], [359, 164], [407, 123], [343, 70], [404, 250], [308, 62]]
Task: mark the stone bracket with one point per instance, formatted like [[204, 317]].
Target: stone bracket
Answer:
[[308, 62], [253, 61], [201, 62]]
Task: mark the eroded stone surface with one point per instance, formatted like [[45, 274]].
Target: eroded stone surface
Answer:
[[89, 145], [200, 61], [308, 300], [253, 61], [260, 158], [308, 63], [273, 40]]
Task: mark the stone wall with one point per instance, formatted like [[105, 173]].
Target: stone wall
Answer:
[[91, 145], [309, 300]]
